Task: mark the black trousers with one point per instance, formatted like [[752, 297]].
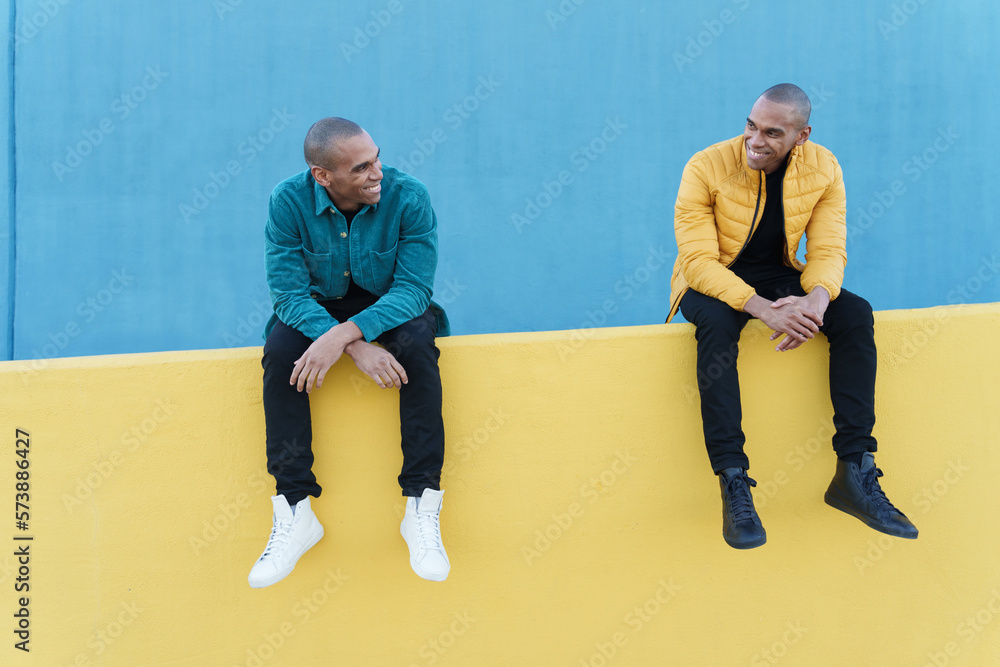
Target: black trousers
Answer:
[[848, 326], [289, 422]]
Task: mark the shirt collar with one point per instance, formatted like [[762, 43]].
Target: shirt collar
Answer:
[[322, 198], [324, 203]]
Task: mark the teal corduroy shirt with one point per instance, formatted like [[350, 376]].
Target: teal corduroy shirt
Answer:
[[390, 251]]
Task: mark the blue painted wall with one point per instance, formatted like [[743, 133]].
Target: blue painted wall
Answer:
[[7, 229], [551, 136]]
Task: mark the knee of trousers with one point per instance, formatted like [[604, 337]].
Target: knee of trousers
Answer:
[[279, 355], [722, 331], [413, 342], [714, 320], [849, 310], [414, 353]]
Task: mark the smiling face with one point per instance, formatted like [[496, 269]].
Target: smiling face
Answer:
[[772, 130], [352, 173]]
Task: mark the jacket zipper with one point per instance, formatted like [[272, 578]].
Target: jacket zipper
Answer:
[[753, 221]]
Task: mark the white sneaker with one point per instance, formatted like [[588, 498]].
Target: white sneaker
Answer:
[[291, 536], [421, 528]]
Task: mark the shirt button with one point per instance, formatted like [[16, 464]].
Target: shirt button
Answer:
[[347, 273], [343, 235]]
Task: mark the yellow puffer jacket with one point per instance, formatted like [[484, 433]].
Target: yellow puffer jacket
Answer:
[[720, 202]]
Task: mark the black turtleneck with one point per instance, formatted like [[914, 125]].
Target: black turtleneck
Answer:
[[767, 243]]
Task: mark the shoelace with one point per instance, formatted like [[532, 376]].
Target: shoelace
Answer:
[[869, 482], [740, 502], [428, 530], [278, 539]]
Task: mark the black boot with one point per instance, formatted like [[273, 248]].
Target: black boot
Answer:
[[855, 490], [741, 526]]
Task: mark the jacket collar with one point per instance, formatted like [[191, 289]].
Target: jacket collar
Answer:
[[745, 166], [324, 203]]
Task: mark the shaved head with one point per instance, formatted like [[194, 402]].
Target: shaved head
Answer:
[[791, 95], [323, 137]]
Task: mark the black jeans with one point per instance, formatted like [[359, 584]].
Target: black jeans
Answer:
[[289, 422], [848, 326]]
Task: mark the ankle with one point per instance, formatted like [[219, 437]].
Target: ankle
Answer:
[[854, 458]]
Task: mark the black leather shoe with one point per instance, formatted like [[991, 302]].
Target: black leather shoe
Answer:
[[855, 490], [741, 527]]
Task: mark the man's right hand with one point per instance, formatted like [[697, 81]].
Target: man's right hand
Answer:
[[311, 367], [798, 326]]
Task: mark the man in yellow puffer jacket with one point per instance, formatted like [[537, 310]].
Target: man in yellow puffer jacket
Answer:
[[742, 209]]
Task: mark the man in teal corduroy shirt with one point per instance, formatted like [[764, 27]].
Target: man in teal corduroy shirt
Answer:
[[351, 250]]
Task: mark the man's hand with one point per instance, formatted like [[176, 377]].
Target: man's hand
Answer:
[[311, 367], [377, 363], [797, 317], [812, 307]]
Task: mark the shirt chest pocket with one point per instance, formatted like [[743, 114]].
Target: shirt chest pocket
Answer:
[[381, 266], [320, 266]]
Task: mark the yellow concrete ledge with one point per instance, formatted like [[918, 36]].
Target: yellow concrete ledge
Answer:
[[581, 516]]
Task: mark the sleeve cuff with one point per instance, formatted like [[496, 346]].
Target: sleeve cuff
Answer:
[[368, 322]]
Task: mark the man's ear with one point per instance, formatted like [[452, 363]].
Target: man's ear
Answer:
[[321, 175], [803, 135]]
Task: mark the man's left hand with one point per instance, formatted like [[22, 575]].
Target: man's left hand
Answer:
[[377, 363], [812, 307]]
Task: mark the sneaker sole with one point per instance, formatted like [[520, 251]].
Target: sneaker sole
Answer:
[[429, 576], [745, 545], [836, 503], [419, 571], [275, 578]]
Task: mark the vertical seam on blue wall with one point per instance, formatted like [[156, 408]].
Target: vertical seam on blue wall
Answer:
[[12, 189]]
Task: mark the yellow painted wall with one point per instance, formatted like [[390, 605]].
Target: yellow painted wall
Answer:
[[581, 515]]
